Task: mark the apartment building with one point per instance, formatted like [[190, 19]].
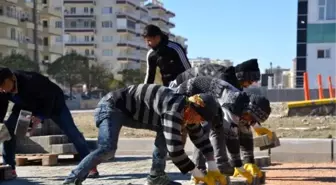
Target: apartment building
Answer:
[[316, 41], [109, 31], [201, 60], [17, 29]]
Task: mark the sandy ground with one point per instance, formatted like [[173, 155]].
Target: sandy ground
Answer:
[[301, 174], [291, 127]]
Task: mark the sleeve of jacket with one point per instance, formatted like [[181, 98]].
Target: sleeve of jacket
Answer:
[[246, 144], [151, 69], [3, 107], [179, 55], [45, 96]]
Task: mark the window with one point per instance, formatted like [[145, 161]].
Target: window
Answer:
[[73, 38], [1, 10], [73, 24], [13, 51], [107, 38], [58, 39], [45, 2], [302, 8], [91, 10], [92, 52], [58, 24], [301, 36], [93, 24], [323, 53], [107, 24], [45, 23], [107, 52], [12, 34], [86, 10], [301, 50], [46, 57], [86, 24], [87, 52], [45, 41], [302, 21], [87, 38], [73, 10], [107, 10], [326, 9], [131, 24]]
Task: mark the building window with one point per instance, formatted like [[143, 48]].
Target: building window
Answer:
[[107, 10], [93, 24], [92, 52], [86, 24], [46, 57], [131, 24], [12, 34], [73, 10], [87, 52], [73, 24], [87, 38], [45, 23], [323, 53], [73, 38], [107, 24], [45, 41], [1, 10], [58, 39], [107, 52], [13, 51], [86, 10], [107, 38], [58, 24], [327, 9]]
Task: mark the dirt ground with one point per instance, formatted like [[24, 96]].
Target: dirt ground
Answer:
[[301, 174], [290, 127]]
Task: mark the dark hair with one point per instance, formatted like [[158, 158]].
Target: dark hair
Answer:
[[151, 31], [4, 74]]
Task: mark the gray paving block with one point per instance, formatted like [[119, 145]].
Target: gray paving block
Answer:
[[303, 150], [63, 149], [334, 150], [50, 139], [237, 181], [260, 141], [32, 148], [262, 161]]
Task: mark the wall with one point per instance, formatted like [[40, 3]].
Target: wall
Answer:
[[285, 95]]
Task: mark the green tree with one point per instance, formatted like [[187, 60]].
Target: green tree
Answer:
[[132, 76], [69, 69], [19, 62], [100, 77]]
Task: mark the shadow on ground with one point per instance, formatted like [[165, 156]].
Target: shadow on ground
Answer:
[[300, 178], [20, 181]]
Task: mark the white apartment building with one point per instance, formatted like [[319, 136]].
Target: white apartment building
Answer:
[[200, 61], [316, 41], [17, 29], [109, 31]]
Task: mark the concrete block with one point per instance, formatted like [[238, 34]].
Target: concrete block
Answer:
[[237, 181], [68, 148], [262, 161], [334, 150], [32, 148], [50, 139], [23, 124], [303, 150], [260, 141], [5, 172]]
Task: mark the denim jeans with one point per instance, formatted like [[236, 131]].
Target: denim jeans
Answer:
[[159, 155], [64, 121], [109, 122]]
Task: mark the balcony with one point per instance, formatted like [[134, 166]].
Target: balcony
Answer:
[[80, 43], [53, 11], [56, 48], [55, 31], [9, 19], [129, 56], [7, 41], [170, 24], [127, 13], [90, 15], [30, 4], [123, 29], [13, 1], [133, 3], [80, 29], [79, 2]]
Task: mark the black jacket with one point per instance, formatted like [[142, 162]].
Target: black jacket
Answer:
[[36, 93], [170, 57]]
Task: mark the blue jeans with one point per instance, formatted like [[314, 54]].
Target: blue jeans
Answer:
[[109, 122], [64, 121]]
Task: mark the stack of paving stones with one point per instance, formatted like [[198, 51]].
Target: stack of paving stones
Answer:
[[5, 173], [48, 138]]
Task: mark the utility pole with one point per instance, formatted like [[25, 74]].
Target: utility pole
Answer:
[[35, 32]]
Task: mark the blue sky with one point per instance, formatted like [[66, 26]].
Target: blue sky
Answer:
[[238, 29]]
